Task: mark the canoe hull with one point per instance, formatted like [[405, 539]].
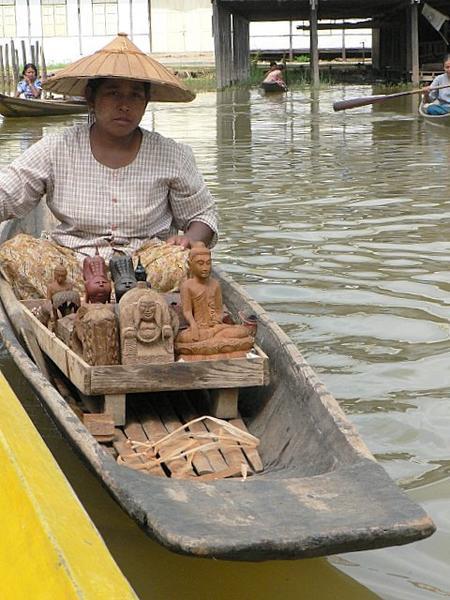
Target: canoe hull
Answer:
[[435, 120], [273, 87], [20, 107], [321, 491]]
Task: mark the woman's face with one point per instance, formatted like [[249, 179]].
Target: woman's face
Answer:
[[119, 105], [30, 74], [447, 67]]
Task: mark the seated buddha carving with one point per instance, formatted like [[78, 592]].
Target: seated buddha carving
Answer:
[[207, 336]]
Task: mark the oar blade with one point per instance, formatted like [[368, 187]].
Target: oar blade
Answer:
[[355, 102]]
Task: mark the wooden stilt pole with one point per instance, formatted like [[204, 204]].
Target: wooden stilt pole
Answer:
[[415, 76], [2, 71], [7, 71], [24, 53], [314, 44]]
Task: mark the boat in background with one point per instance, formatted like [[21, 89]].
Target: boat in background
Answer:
[[22, 107], [437, 120], [317, 491], [272, 86]]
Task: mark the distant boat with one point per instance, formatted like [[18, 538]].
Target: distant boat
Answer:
[[21, 107], [273, 86], [439, 120]]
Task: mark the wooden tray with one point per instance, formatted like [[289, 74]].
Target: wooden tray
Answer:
[[252, 370]]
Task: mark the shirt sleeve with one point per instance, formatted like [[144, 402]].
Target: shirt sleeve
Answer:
[[189, 198], [25, 181], [435, 83]]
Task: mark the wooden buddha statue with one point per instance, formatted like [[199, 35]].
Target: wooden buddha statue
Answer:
[[207, 336]]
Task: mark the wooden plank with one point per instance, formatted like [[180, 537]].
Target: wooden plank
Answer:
[[155, 430], [114, 405], [207, 374], [233, 456], [126, 452], [252, 454], [135, 432], [172, 422], [224, 403], [187, 412]]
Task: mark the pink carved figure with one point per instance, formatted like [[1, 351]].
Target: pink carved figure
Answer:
[[96, 282]]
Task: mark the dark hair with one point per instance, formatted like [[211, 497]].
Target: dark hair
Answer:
[[273, 63], [446, 57], [94, 84], [30, 66]]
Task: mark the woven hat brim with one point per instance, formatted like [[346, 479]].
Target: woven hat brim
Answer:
[[132, 65]]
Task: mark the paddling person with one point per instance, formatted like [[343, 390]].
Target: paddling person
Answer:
[[114, 186], [275, 75], [439, 99], [30, 87]]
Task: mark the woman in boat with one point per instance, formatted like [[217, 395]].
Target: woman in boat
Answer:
[[439, 100], [275, 75], [112, 185], [30, 87]]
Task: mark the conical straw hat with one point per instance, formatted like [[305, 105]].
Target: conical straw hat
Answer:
[[122, 59]]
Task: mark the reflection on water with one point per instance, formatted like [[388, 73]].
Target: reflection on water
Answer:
[[338, 223]]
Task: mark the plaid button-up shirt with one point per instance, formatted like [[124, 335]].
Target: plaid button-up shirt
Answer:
[[160, 193]]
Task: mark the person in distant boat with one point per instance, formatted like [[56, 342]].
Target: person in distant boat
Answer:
[[30, 87], [275, 75], [439, 99], [112, 185]]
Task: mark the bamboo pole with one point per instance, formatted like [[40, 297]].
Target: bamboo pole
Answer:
[[14, 66], [8, 74], [2, 71], [36, 53], [43, 70], [24, 53]]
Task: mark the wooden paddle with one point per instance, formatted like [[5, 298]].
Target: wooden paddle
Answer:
[[355, 102]]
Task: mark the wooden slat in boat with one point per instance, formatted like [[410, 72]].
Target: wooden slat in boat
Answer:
[[21, 107]]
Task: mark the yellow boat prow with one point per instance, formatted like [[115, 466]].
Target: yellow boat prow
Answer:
[[49, 547]]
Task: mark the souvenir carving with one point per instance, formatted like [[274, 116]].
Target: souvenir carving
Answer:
[[60, 282], [207, 336], [95, 336], [139, 271], [65, 303], [96, 282], [147, 327], [122, 273]]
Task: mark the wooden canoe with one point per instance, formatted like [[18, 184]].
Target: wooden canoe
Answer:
[[436, 120], [318, 490], [273, 87], [21, 107]]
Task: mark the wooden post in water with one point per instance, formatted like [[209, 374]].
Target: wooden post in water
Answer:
[[2, 71], [222, 44], [415, 76], [24, 53], [14, 67], [7, 72], [37, 53], [314, 44], [33, 54], [43, 70], [241, 49]]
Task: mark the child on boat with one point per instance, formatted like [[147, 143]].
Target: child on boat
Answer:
[[439, 100], [111, 185]]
